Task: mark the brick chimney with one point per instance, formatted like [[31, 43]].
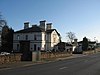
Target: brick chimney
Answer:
[[26, 25], [49, 26], [42, 24]]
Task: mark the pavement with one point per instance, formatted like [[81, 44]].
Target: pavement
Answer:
[[80, 65]]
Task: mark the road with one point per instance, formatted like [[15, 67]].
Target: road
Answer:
[[86, 65]]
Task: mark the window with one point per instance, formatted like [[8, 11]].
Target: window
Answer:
[[18, 47], [54, 35], [35, 37], [26, 37], [18, 37], [39, 37], [34, 47], [54, 39]]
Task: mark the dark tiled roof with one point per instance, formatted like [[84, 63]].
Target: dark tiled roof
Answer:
[[51, 30], [32, 29], [90, 42], [36, 28]]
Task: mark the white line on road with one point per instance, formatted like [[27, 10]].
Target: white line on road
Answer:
[[63, 68]]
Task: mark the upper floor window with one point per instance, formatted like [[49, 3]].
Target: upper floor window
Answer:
[[54, 35], [18, 37], [35, 38], [54, 39], [26, 37]]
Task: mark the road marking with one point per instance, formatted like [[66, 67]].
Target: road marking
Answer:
[[63, 68], [5, 68]]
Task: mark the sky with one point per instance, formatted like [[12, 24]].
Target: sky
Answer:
[[79, 16]]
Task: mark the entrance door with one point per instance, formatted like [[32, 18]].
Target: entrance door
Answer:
[[25, 50]]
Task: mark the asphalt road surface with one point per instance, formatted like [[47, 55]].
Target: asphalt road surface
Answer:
[[86, 65]]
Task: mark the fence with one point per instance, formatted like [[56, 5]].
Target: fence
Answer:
[[10, 58]]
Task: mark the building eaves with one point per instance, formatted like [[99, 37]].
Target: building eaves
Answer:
[[31, 29]]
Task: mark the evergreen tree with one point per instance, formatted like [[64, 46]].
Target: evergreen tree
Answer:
[[7, 39], [85, 44], [10, 39]]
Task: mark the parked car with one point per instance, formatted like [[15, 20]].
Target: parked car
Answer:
[[4, 53]]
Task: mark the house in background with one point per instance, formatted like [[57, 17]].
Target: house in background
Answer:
[[92, 44], [78, 47], [35, 38]]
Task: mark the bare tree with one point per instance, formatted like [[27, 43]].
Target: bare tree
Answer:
[[2, 22], [71, 36]]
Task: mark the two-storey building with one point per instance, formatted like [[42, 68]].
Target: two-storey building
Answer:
[[37, 37]]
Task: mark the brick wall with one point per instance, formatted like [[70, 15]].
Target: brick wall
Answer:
[[10, 58], [49, 56]]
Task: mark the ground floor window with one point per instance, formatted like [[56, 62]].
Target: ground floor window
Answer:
[[18, 47], [34, 47]]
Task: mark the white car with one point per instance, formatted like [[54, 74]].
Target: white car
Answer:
[[4, 53]]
